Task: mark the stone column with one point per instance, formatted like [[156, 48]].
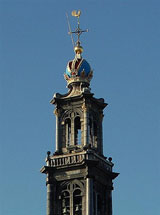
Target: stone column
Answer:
[[85, 133], [57, 129], [50, 199], [89, 196]]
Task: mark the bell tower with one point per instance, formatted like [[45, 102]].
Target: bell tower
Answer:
[[79, 177]]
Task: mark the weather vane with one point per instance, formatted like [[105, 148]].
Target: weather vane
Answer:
[[78, 31]]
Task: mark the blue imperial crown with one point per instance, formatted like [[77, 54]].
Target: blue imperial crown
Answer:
[[78, 70]]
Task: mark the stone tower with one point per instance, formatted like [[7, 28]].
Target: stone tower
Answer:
[[79, 177]]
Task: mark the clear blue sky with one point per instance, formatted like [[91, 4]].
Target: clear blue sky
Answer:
[[123, 48]]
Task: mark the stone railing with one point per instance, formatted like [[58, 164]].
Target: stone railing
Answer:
[[67, 160]]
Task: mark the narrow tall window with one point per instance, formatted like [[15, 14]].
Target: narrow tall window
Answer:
[[77, 124], [68, 131]]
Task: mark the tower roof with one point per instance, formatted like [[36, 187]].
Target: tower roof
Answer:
[[78, 69]]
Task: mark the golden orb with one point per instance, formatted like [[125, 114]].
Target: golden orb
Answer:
[[78, 49]]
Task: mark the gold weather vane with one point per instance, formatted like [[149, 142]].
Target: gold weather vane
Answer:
[[78, 32]]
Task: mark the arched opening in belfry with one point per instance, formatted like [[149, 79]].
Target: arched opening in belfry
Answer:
[[68, 131], [77, 128], [71, 198], [77, 202]]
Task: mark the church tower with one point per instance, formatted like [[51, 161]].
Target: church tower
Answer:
[[79, 177]]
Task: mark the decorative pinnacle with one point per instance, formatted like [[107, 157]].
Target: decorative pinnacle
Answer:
[[78, 48]]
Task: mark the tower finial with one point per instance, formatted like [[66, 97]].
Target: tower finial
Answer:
[[77, 48]]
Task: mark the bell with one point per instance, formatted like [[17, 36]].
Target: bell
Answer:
[[77, 208], [64, 210]]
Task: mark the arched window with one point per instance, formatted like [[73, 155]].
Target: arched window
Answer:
[[68, 131], [77, 127], [71, 198]]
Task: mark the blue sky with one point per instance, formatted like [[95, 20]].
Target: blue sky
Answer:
[[123, 48]]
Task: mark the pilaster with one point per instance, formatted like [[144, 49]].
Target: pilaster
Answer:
[[89, 196], [50, 199]]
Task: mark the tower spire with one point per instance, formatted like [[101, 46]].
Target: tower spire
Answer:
[[77, 48]]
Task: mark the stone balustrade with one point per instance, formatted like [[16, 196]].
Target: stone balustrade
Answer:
[[67, 160]]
